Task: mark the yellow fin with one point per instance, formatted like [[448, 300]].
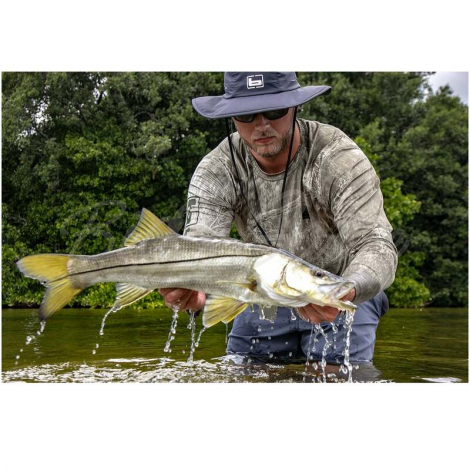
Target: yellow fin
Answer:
[[44, 268], [52, 270], [128, 294], [219, 308], [149, 226], [234, 314], [58, 294]]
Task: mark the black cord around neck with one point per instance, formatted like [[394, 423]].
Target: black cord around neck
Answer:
[[283, 182], [240, 183], [285, 174]]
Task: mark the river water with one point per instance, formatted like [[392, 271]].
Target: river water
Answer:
[[413, 345]]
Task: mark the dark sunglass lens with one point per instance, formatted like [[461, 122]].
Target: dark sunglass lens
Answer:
[[245, 118], [275, 114]]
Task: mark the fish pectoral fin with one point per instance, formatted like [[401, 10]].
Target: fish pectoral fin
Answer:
[[223, 309], [128, 294], [149, 226]]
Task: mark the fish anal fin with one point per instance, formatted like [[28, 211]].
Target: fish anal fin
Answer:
[[149, 226], [235, 313], [128, 294], [219, 308]]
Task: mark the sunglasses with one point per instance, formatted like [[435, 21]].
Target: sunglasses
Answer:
[[271, 115]]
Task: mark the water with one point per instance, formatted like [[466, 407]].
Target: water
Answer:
[[172, 333], [428, 346]]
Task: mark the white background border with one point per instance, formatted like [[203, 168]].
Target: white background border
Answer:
[[223, 426]]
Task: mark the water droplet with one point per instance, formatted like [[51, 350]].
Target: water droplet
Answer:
[[290, 354], [270, 355], [292, 315], [17, 357], [251, 347], [97, 345], [269, 337], [93, 352], [257, 340], [16, 363], [28, 340], [287, 342], [184, 352], [253, 341], [259, 329]]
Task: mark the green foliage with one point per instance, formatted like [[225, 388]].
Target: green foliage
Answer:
[[407, 290], [84, 152]]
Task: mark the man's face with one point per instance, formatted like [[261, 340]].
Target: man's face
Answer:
[[266, 138]]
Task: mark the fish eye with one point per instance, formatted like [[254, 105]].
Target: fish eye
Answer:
[[319, 274]]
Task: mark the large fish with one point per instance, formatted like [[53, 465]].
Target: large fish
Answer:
[[235, 274]]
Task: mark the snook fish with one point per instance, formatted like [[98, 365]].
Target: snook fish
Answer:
[[235, 274]]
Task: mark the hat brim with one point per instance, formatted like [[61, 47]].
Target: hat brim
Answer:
[[215, 107]]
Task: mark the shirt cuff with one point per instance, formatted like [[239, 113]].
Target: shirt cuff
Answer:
[[366, 286]]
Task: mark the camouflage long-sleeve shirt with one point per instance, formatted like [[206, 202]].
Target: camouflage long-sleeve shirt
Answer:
[[333, 207]]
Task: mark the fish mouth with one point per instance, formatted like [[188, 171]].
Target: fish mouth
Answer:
[[341, 290]]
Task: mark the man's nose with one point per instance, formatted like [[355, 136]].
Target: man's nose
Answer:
[[261, 122]]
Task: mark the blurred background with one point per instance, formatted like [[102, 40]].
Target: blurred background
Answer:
[[84, 152]]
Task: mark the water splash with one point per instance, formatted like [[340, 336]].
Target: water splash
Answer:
[[292, 314], [199, 337], [335, 332], [348, 320], [324, 351], [262, 314], [103, 322], [192, 327], [308, 353], [30, 338], [171, 335]]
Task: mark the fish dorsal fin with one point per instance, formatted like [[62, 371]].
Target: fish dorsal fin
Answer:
[[149, 226], [219, 308], [128, 294]]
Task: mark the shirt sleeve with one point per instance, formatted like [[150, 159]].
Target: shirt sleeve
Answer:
[[209, 210], [352, 190]]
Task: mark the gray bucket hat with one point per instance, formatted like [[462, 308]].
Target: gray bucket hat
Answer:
[[255, 92]]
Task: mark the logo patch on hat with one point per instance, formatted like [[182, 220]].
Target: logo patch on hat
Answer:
[[255, 81]]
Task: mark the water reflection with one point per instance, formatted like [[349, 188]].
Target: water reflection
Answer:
[[429, 346]]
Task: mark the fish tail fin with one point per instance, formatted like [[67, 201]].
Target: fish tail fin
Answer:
[[52, 271]]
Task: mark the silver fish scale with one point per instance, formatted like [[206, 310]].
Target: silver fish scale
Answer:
[[212, 265]]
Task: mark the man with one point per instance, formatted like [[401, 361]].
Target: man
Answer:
[[298, 185]]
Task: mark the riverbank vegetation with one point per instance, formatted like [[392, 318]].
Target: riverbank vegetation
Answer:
[[84, 152]]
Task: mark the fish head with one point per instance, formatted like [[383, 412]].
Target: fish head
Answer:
[[290, 281], [317, 285]]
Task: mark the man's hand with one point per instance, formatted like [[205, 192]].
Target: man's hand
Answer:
[[316, 314], [185, 299]]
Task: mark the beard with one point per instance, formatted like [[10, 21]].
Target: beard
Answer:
[[273, 149]]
